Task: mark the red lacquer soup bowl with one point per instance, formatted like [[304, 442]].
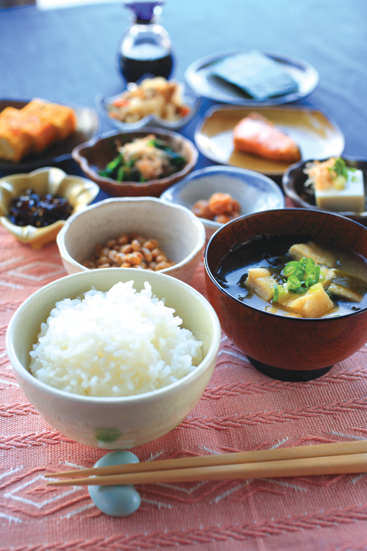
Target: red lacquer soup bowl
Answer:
[[284, 347]]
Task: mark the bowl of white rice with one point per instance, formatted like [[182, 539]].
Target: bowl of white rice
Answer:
[[114, 358]]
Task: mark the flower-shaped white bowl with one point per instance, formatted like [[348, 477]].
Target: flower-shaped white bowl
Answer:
[[188, 96], [80, 192], [124, 422], [180, 233]]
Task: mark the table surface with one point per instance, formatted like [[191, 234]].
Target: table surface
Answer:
[[69, 55]]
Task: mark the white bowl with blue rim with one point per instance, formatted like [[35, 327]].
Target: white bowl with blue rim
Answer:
[[254, 191], [189, 98]]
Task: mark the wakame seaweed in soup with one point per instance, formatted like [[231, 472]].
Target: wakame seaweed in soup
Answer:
[[328, 270]]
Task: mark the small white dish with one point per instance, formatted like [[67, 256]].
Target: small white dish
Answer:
[[255, 192], [188, 96], [201, 79], [316, 135]]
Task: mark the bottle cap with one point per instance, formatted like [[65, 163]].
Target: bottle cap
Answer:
[[143, 9]]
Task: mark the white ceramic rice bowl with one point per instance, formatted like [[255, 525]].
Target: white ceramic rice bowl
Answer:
[[124, 422], [180, 233]]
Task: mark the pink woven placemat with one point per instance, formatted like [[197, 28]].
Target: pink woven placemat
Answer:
[[241, 409]]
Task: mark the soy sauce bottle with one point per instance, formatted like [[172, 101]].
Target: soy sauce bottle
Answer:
[[146, 48]]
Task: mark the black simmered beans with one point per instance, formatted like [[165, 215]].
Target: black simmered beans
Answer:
[[33, 209]]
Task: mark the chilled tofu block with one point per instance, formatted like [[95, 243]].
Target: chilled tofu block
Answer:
[[314, 251], [313, 304], [350, 199], [261, 282]]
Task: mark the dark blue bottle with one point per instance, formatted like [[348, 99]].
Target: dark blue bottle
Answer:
[[146, 48]]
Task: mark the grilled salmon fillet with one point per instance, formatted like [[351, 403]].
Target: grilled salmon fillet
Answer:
[[258, 136]]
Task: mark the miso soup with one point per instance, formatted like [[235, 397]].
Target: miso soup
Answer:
[[292, 276]]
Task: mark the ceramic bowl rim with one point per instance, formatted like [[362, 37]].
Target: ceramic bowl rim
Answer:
[[119, 400], [202, 172], [282, 319], [191, 98], [46, 229], [125, 200], [89, 145], [290, 191]]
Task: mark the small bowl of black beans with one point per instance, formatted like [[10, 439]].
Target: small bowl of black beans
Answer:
[[35, 206]]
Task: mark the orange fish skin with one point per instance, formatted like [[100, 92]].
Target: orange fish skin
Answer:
[[257, 136]]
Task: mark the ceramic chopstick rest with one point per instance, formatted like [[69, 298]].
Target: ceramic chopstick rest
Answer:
[[116, 501]]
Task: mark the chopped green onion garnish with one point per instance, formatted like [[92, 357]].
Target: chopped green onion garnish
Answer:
[[310, 280], [290, 269], [340, 168], [309, 264], [298, 277], [276, 292], [294, 283]]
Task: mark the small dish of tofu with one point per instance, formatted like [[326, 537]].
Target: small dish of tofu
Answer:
[[336, 184]]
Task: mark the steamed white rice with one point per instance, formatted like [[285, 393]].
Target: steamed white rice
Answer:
[[117, 343]]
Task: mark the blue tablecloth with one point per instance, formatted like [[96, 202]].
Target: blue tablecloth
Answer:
[[70, 54]]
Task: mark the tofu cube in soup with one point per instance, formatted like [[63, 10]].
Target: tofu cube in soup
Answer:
[[313, 304], [312, 250], [261, 282]]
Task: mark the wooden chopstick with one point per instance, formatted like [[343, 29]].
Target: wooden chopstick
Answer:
[[232, 459], [327, 465]]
